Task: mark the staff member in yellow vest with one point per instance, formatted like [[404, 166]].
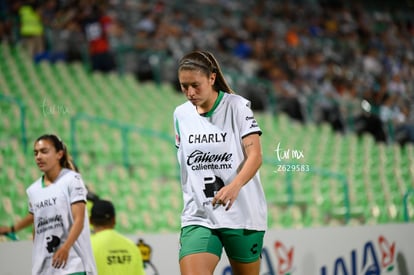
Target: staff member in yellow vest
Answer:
[[114, 253], [31, 28]]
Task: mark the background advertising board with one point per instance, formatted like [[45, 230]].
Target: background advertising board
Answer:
[[351, 250]]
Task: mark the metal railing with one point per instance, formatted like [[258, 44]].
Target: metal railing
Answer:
[[406, 210], [323, 173], [22, 110], [125, 129]]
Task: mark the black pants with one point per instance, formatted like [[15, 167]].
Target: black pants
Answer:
[[104, 62]]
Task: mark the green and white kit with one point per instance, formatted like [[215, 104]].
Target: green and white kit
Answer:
[[210, 155], [51, 207]]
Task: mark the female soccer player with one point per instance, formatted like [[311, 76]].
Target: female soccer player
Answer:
[[57, 210], [219, 153]]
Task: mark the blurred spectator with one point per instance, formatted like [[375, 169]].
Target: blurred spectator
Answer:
[[329, 109], [242, 49], [286, 95], [145, 31], [395, 116], [6, 22], [147, 23], [292, 37], [31, 27], [404, 129], [396, 85], [95, 23]]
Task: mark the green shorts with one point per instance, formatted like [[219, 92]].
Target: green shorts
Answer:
[[241, 245]]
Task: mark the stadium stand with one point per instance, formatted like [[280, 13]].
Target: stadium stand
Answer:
[[120, 133]]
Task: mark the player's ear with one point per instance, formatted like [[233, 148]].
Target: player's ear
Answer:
[[212, 78]]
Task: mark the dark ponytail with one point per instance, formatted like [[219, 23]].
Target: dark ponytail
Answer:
[[66, 160]]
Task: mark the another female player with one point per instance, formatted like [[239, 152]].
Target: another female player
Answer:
[[57, 210], [219, 153]]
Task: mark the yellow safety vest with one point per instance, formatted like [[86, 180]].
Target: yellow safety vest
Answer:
[[31, 23]]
